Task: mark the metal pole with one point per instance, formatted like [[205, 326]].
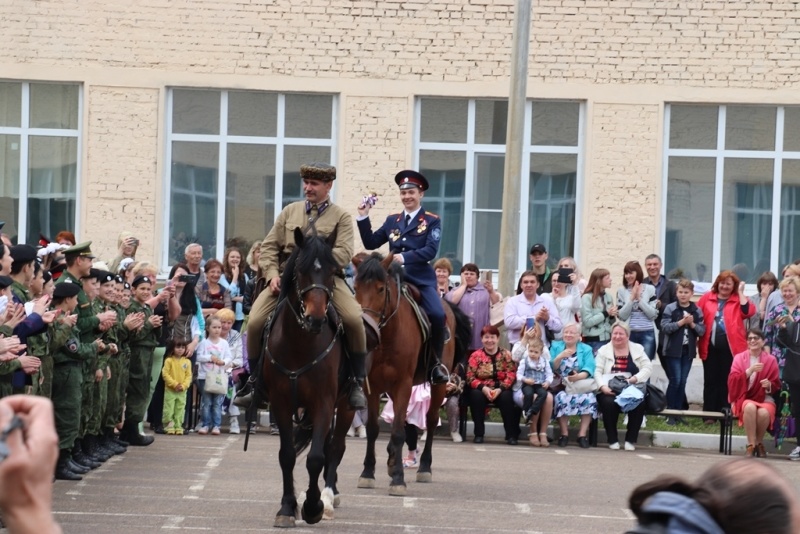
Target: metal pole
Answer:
[[509, 226]]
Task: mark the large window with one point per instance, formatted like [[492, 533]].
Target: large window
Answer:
[[461, 150], [733, 190], [39, 164], [244, 147]]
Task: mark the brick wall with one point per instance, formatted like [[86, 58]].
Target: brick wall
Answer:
[[121, 186], [620, 202], [677, 42]]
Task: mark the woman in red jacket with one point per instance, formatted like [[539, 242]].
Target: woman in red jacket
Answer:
[[753, 382], [724, 312]]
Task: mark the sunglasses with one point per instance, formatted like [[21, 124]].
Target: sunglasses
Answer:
[[753, 338]]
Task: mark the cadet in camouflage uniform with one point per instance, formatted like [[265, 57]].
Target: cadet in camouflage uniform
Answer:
[[43, 346], [142, 344], [79, 264], [124, 337], [67, 381]]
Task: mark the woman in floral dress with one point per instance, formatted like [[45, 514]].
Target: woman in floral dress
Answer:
[[572, 361]]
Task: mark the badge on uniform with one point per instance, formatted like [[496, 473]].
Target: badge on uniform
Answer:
[[72, 345], [436, 234], [423, 226], [395, 235]]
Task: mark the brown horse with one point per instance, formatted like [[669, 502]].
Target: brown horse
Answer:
[[398, 363], [301, 369]]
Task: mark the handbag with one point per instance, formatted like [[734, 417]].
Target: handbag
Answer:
[[617, 384], [216, 381], [655, 399], [579, 387], [497, 313]]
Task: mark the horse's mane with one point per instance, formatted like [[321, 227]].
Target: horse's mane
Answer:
[[371, 270], [303, 258]]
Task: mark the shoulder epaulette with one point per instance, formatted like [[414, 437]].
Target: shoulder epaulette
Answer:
[[432, 214]]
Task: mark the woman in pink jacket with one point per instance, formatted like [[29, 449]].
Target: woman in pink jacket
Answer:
[[724, 309]]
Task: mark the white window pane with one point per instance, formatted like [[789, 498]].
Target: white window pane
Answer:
[[293, 158], [52, 185], [489, 181], [193, 213], [690, 218], [491, 122], [555, 123], [747, 217], [250, 192], [443, 120], [486, 239], [445, 171], [693, 126], [551, 206], [252, 113], [10, 104], [790, 214], [54, 106], [791, 128], [309, 116], [9, 182], [750, 128], [195, 111]]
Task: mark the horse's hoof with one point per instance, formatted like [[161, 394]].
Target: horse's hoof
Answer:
[[311, 516], [398, 491], [327, 515], [366, 483], [284, 521], [424, 477]]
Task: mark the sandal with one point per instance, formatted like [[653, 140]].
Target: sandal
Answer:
[[543, 441], [534, 440]]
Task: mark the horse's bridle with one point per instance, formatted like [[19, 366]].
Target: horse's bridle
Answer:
[[299, 317], [381, 315]]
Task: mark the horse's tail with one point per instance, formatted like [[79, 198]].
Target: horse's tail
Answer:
[[302, 434], [463, 334]]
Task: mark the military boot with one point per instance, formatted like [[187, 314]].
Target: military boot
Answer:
[[130, 433], [357, 399], [90, 446], [110, 441], [438, 372], [81, 458], [63, 472]]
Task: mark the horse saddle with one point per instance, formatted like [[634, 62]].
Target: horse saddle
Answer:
[[412, 295]]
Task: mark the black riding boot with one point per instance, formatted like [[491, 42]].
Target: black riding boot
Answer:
[[63, 472], [244, 395], [357, 399], [438, 372]]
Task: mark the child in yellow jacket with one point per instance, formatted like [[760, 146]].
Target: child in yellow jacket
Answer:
[[177, 373]]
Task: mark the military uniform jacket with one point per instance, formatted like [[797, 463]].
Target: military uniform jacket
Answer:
[[48, 342], [75, 351], [418, 243], [123, 334], [146, 336], [109, 336], [279, 243], [87, 321]]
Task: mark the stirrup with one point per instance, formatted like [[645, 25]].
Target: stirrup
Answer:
[[357, 394], [445, 374]]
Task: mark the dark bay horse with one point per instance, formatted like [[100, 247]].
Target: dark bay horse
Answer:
[[301, 367], [397, 364]]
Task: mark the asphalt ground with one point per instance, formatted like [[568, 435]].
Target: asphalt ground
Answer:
[[207, 483]]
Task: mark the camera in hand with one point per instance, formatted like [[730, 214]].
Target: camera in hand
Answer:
[[564, 274], [186, 278]]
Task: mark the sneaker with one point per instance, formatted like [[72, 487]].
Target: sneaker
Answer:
[[672, 421], [215, 431], [628, 446], [351, 433], [362, 432], [795, 454], [203, 430], [424, 436], [458, 439], [273, 430], [234, 429], [614, 446], [644, 422], [178, 431]]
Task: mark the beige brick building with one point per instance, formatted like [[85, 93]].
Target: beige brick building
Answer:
[[666, 126]]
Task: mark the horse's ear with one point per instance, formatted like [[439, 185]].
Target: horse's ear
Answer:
[[358, 259], [387, 261], [331, 239], [298, 236]]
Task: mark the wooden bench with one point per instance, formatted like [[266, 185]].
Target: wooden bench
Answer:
[[725, 418]]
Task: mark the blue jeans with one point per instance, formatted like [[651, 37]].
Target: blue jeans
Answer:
[[677, 370], [210, 407], [647, 339]]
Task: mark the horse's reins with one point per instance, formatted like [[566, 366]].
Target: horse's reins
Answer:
[[382, 318]]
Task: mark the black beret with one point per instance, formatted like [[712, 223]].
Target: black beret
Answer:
[[66, 289], [5, 281], [23, 254], [141, 279], [95, 274], [106, 277]]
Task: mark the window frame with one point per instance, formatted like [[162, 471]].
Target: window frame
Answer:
[[222, 140], [472, 149], [720, 154], [25, 132]]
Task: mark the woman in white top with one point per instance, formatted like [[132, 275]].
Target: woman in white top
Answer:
[[567, 293], [637, 307]]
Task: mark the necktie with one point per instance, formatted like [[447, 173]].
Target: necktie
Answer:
[[408, 219]]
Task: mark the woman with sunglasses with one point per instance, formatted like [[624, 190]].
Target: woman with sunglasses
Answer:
[[752, 382]]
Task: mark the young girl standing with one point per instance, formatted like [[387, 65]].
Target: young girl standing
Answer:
[[212, 351], [177, 374]]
